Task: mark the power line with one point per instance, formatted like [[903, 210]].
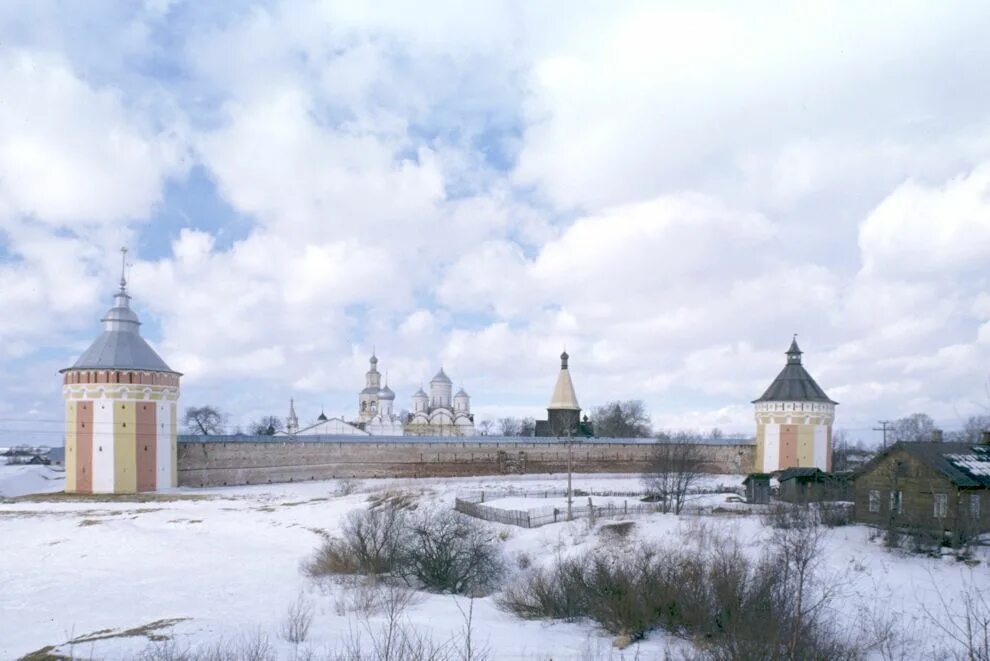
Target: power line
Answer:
[[884, 426]]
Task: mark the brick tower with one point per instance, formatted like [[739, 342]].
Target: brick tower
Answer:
[[120, 410], [793, 420]]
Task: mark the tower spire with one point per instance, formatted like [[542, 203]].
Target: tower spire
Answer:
[[123, 269]]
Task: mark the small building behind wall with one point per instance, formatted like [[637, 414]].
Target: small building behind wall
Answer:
[[811, 485], [757, 488], [939, 488]]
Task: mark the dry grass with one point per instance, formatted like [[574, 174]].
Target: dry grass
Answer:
[[153, 631], [149, 497]]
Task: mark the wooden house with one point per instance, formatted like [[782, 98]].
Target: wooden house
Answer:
[[757, 488], [811, 485], [940, 488]]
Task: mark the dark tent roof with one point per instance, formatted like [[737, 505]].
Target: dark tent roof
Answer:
[[791, 473], [794, 384]]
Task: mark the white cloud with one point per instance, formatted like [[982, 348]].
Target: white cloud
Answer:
[[928, 231], [74, 155], [667, 192]]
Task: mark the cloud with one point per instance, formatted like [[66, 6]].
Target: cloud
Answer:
[[669, 192], [922, 231], [71, 154]]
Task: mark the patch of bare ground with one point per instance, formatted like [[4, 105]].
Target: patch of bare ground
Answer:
[[150, 497], [153, 631]]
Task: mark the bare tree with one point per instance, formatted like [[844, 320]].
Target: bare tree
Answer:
[[509, 426], [486, 427], [527, 427], [973, 429], [675, 467], [622, 419], [204, 420], [914, 428], [266, 426]]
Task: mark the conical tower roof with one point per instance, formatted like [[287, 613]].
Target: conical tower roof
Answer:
[[794, 384], [120, 345], [564, 396]]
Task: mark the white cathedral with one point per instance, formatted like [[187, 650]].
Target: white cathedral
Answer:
[[438, 414]]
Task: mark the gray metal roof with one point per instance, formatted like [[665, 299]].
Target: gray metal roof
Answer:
[[794, 384], [120, 345]]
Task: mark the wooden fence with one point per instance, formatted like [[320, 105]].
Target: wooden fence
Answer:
[[473, 505]]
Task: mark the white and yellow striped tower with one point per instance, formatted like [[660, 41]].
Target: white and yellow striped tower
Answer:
[[120, 410], [794, 420]]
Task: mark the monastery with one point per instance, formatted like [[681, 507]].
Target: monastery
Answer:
[[121, 404]]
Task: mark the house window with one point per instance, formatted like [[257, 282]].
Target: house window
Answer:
[[941, 509], [895, 502], [874, 500], [974, 505]]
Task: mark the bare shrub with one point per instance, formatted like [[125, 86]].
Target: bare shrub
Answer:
[[466, 648], [785, 516], [556, 592], [346, 486], [298, 618], [616, 532], [675, 467], [447, 551], [368, 595], [392, 640], [965, 621], [731, 605], [165, 650], [370, 542]]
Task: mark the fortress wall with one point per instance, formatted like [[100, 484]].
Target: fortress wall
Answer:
[[218, 463]]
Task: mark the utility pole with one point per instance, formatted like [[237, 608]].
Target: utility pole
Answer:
[[885, 425], [569, 492]]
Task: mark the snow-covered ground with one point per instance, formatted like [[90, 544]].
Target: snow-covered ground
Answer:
[[225, 562], [22, 479]]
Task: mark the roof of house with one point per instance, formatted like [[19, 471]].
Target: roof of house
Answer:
[[964, 464], [794, 384], [792, 473]]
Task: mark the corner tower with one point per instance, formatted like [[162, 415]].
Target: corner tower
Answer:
[[120, 410], [794, 420], [563, 413]]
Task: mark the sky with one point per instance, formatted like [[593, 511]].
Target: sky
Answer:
[[668, 190]]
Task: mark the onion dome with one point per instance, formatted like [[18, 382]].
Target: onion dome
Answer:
[[419, 394], [120, 345], [441, 377], [461, 393], [374, 359], [794, 384], [322, 417], [386, 393]]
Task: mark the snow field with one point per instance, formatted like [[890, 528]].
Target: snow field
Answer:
[[228, 561]]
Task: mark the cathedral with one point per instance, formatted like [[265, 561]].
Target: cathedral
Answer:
[[439, 413], [375, 414]]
